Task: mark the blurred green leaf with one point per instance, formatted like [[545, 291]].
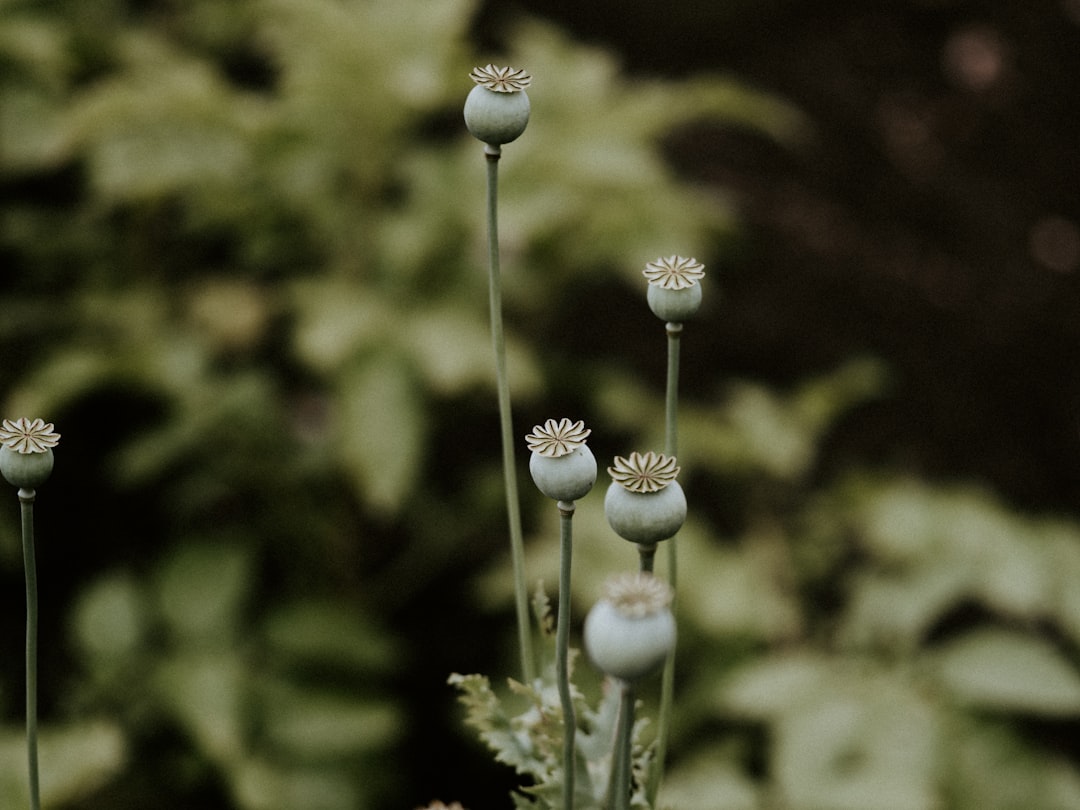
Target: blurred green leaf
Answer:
[[381, 430], [91, 753], [709, 780], [201, 591], [1007, 671], [768, 687], [862, 740], [111, 617], [989, 767], [266, 784], [309, 726], [206, 694]]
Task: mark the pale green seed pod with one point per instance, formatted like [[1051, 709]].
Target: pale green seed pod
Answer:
[[25, 470], [26, 456], [497, 109], [630, 631], [674, 293], [645, 517], [562, 465], [644, 503], [674, 306]]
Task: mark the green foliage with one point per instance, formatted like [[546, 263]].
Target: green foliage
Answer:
[[866, 640], [243, 252], [529, 736]]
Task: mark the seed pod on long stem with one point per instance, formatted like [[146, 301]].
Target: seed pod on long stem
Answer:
[[26, 461], [489, 81]]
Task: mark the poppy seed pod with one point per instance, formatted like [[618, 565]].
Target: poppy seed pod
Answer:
[[562, 465], [674, 294], [630, 631], [497, 109], [644, 503], [674, 306], [26, 456], [25, 470]]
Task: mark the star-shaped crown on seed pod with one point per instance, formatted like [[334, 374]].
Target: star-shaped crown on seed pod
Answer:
[[26, 436], [501, 79], [650, 472]]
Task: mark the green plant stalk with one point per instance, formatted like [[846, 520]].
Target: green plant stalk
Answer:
[[622, 768], [562, 652], [513, 506], [647, 556], [671, 448], [26, 502]]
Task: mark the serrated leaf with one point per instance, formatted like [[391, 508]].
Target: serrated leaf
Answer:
[[1006, 671], [497, 731]]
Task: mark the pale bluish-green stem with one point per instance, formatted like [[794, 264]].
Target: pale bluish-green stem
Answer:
[[562, 651], [667, 680], [26, 503], [622, 767], [646, 557], [498, 339], [26, 461]]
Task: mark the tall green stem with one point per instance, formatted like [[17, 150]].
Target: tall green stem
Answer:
[[622, 768], [513, 507], [26, 501], [671, 413], [562, 651], [671, 448]]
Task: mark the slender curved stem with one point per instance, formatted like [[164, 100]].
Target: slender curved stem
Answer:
[[671, 448], [513, 506], [26, 501], [562, 651], [622, 769]]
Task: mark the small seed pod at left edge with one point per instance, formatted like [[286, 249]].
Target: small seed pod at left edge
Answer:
[[26, 456], [497, 109]]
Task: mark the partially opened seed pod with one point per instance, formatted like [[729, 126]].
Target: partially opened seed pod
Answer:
[[630, 631]]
